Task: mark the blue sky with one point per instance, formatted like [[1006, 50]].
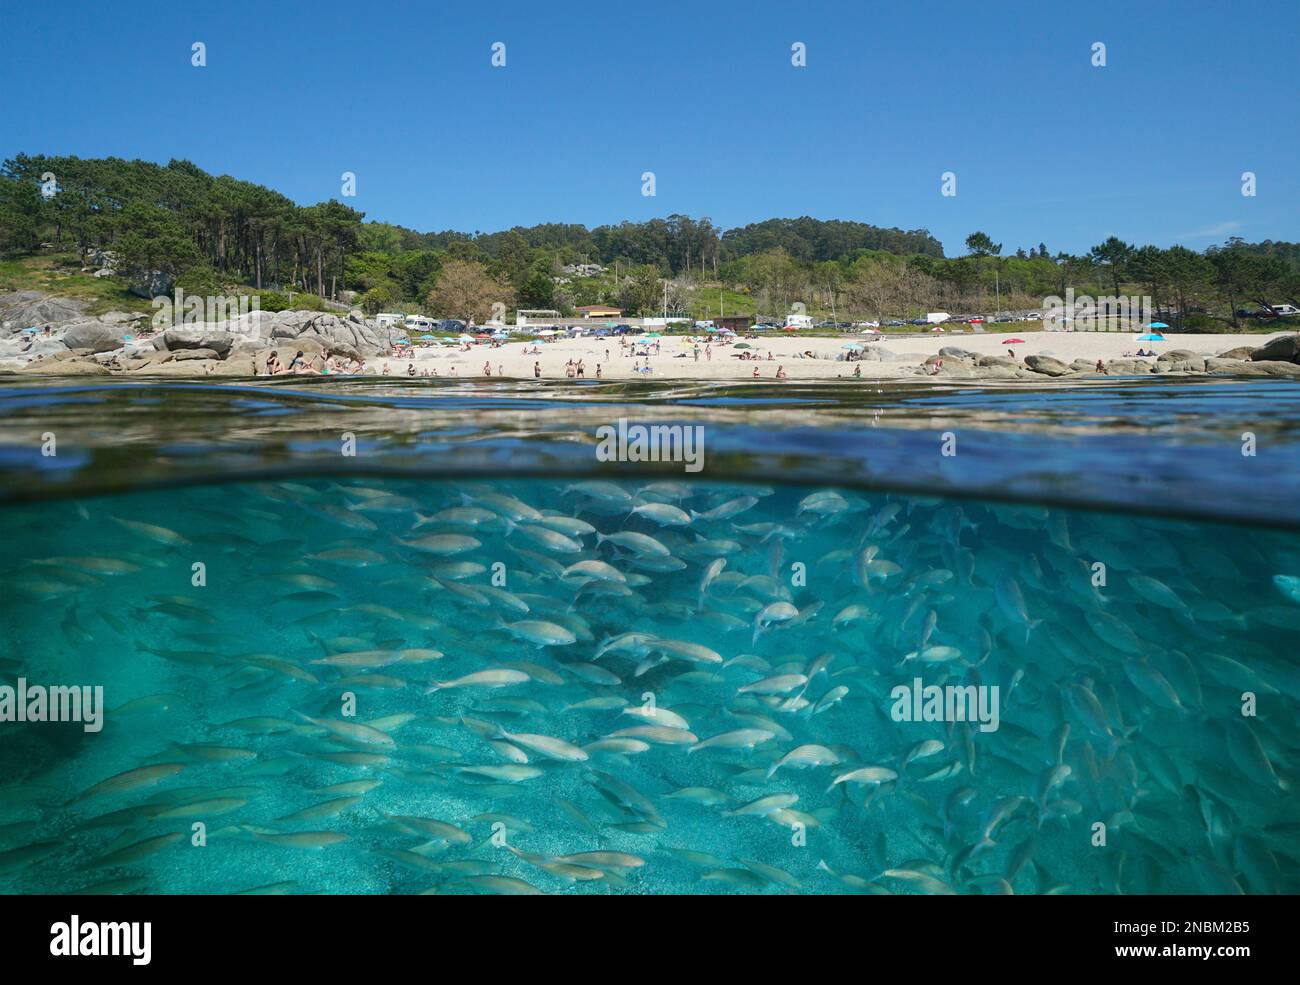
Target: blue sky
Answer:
[[1044, 146]]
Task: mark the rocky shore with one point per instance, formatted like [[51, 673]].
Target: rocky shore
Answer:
[[1276, 357], [81, 345], [125, 345]]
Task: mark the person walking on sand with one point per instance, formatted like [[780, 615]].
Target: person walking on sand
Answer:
[[581, 370], [537, 371], [597, 370], [857, 371], [487, 368]]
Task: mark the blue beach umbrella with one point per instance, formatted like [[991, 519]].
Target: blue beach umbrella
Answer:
[[1151, 337], [1157, 324]]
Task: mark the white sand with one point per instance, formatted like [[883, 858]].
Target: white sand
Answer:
[[720, 361]]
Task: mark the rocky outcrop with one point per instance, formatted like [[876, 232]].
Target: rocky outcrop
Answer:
[[1240, 352], [150, 283], [1047, 365], [1284, 348], [953, 352], [1180, 361], [1266, 367], [35, 309], [199, 337], [96, 334], [349, 335]]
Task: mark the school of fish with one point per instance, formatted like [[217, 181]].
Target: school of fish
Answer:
[[545, 686]]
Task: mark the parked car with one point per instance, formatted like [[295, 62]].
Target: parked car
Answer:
[[451, 326], [893, 323]]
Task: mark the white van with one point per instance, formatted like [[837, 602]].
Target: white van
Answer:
[[386, 318], [1285, 309]]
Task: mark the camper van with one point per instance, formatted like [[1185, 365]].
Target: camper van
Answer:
[[419, 323], [798, 321], [386, 318]]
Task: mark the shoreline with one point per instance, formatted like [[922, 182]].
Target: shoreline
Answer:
[[944, 356]]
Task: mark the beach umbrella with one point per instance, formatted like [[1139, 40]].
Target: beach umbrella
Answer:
[[742, 345], [424, 336], [1013, 341], [937, 328], [465, 338], [1151, 337], [1157, 324], [654, 335], [871, 331], [852, 345], [711, 328]]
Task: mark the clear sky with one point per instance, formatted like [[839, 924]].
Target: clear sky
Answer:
[[1045, 146]]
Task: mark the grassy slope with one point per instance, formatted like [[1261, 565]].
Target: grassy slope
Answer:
[[60, 273]]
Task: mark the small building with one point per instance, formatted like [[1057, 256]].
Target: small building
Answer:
[[734, 323], [599, 311]]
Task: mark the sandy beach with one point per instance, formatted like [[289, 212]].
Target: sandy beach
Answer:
[[676, 359]]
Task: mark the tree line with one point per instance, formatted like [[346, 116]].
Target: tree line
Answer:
[[207, 232]]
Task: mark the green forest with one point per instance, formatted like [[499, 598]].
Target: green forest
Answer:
[[214, 235]]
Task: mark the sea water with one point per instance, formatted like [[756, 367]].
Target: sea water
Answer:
[[1116, 711]]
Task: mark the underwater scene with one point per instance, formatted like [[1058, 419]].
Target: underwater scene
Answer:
[[546, 685]]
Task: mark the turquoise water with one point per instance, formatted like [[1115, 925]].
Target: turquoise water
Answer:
[[778, 617]]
